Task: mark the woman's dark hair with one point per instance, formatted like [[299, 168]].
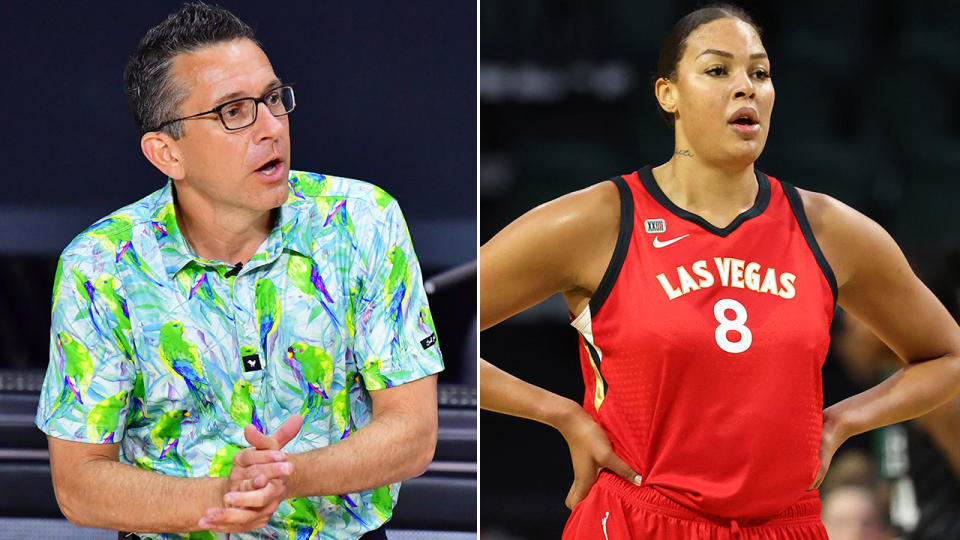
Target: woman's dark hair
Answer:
[[154, 97], [676, 41]]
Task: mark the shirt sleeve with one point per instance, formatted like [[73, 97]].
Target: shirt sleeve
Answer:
[[86, 392], [396, 341]]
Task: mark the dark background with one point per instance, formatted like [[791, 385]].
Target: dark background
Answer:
[[866, 111], [386, 93]]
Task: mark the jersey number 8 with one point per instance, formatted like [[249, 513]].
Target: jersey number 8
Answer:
[[735, 324]]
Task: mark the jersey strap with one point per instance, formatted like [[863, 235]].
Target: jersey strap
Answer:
[[620, 251], [796, 204]]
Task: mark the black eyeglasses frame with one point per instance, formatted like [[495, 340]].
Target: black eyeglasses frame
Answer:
[[256, 108]]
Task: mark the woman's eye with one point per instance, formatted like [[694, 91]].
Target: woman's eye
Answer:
[[716, 71], [762, 74]]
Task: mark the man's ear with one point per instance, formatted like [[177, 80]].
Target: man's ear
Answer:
[[164, 152], [666, 92]]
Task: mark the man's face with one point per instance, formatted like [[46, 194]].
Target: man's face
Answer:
[[232, 169]]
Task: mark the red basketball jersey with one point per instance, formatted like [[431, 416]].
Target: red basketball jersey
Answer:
[[702, 349]]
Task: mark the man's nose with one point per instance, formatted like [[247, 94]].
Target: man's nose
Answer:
[[267, 124]]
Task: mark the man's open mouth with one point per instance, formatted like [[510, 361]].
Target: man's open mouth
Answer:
[[270, 167]]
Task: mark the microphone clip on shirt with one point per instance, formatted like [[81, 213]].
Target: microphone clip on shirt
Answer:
[[235, 270]]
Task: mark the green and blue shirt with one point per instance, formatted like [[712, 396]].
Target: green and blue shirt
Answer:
[[171, 355]]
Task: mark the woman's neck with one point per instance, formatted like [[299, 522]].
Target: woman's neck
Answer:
[[717, 194]]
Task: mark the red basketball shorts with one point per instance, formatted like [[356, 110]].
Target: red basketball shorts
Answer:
[[617, 510]]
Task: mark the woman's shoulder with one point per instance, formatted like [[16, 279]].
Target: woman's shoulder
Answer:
[[831, 216], [848, 238], [561, 245], [596, 204], [585, 214], [822, 209]]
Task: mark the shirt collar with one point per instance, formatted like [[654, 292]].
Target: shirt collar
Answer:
[[293, 226], [289, 232]]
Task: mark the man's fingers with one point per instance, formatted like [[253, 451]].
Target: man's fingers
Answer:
[[270, 471], [262, 496], [259, 482], [259, 440], [619, 467], [234, 519], [280, 437], [288, 430], [249, 457], [251, 484]]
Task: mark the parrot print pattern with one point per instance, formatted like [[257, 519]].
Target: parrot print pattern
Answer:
[[171, 355]]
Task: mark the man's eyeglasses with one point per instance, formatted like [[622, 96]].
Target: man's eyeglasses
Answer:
[[240, 113]]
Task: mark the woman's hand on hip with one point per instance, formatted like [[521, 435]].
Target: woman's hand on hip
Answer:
[[831, 437], [590, 451]]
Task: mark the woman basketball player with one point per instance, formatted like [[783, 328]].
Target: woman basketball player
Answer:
[[703, 292]]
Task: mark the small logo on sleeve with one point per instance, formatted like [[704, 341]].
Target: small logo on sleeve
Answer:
[[655, 225], [428, 341], [251, 362]]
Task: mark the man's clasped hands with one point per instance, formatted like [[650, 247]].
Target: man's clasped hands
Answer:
[[257, 483]]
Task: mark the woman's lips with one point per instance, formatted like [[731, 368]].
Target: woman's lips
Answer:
[[746, 131]]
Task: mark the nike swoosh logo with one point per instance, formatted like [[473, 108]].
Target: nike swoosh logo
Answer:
[[658, 244]]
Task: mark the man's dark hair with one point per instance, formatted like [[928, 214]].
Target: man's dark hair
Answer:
[[153, 95], [676, 41]]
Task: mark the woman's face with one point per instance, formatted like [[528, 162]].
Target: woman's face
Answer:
[[723, 94]]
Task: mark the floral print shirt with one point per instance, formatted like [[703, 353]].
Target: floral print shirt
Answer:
[[171, 355]]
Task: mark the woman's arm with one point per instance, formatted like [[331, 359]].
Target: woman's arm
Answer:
[[562, 246], [590, 449], [877, 285]]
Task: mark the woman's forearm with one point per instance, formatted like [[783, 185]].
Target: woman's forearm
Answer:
[[913, 390], [501, 392]]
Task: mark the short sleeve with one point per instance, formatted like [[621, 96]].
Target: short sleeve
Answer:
[[86, 392], [396, 341]]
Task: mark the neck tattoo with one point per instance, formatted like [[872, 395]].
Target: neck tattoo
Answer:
[[684, 152]]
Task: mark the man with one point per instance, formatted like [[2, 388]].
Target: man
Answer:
[[241, 309]]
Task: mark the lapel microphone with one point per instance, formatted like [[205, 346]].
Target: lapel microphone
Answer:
[[234, 271]]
